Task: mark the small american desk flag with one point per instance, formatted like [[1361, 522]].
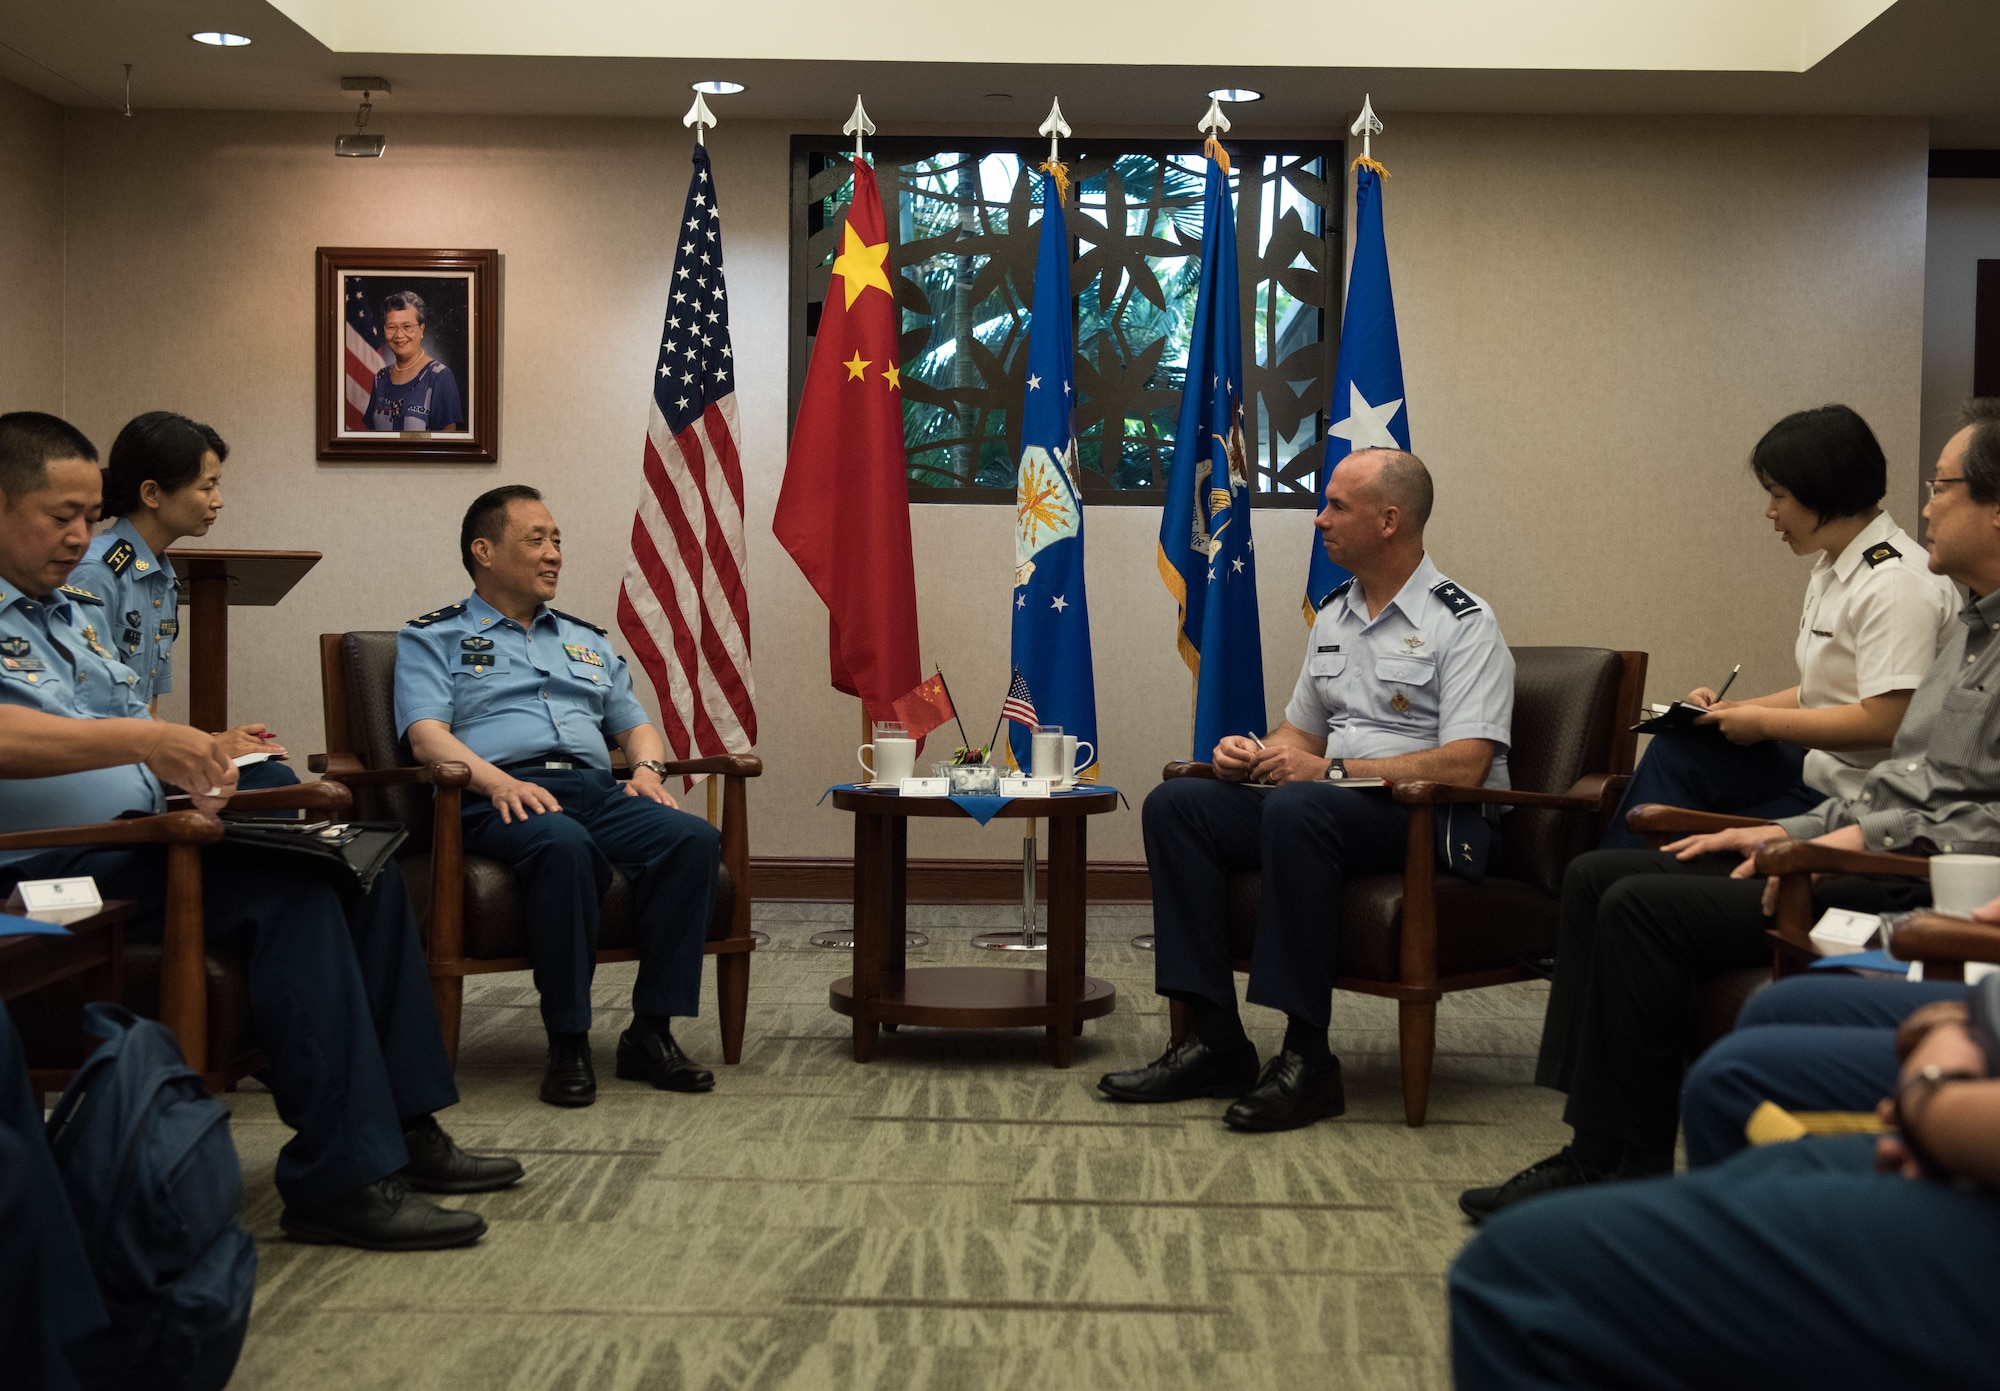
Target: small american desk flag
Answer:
[[1020, 704], [682, 606]]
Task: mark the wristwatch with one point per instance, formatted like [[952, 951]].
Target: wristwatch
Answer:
[[1336, 769], [659, 768]]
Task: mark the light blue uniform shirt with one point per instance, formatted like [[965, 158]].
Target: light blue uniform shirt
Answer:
[[142, 607], [511, 693], [1429, 669], [53, 659]]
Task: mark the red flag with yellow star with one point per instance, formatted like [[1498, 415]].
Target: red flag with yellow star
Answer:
[[844, 509]]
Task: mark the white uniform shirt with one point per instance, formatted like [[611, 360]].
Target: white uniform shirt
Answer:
[[1429, 669], [1874, 619]]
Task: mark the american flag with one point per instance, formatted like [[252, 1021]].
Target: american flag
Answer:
[[1019, 705], [682, 606], [367, 353]]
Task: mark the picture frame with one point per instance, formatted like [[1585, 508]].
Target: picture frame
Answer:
[[408, 355]]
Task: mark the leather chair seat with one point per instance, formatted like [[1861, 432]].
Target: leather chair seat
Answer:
[[495, 928], [49, 1018], [1480, 927]]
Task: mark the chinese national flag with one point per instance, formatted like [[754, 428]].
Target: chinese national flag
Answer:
[[844, 509], [925, 708]]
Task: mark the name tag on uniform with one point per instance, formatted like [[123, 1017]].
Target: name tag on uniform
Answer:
[[578, 653], [22, 664], [1328, 647]]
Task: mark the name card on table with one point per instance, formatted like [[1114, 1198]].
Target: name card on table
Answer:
[[56, 900], [924, 787], [1024, 787], [1842, 931]]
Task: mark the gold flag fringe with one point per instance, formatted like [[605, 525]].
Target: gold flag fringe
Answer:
[[1364, 162], [1213, 149], [1059, 171]]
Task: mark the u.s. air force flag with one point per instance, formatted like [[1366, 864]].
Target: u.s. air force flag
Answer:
[[1368, 407], [1207, 558], [1051, 616]]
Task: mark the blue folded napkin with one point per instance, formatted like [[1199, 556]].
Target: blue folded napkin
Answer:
[[980, 809], [1862, 961], [11, 926]]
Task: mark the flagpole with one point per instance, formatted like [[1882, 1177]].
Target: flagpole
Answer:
[[946, 685]]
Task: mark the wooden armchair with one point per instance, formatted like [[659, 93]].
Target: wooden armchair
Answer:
[[469, 907], [1414, 936], [203, 996], [1945, 944]]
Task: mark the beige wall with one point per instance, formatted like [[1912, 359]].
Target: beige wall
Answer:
[[1598, 318], [1964, 229], [31, 251]]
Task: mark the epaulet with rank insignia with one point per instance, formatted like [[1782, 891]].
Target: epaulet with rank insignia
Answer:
[[582, 622], [118, 557], [1457, 600], [1875, 555], [1339, 590], [83, 594], [446, 612]]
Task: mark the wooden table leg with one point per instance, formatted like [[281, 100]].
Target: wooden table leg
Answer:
[[871, 907], [208, 649], [1066, 933]]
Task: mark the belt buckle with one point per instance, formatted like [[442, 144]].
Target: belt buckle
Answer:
[[558, 765]]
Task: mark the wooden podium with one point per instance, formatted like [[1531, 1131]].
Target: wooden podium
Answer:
[[215, 581]]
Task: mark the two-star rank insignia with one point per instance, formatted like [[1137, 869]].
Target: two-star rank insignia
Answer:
[[119, 557], [446, 612], [1875, 555], [1457, 600]]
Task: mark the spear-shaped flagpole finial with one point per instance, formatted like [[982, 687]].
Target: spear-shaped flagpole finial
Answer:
[[1365, 125], [1055, 127], [698, 116], [858, 125], [1214, 124]]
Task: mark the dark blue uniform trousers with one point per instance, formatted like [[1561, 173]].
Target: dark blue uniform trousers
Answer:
[[48, 1297], [1789, 1266], [1700, 769], [1825, 1041], [340, 1002], [565, 859], [1640, 930], [1306, 839]]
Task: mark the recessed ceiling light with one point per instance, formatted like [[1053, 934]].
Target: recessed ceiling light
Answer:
[[218, 38], [1236, 94], [718, 87]]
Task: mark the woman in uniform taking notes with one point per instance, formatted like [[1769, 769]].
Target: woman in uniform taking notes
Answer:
[[1874, 616], [163, 484]]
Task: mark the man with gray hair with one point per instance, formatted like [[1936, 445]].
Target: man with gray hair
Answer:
[[1406, 676]]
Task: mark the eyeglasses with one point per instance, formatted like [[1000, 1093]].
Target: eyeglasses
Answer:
[[1935, 483]]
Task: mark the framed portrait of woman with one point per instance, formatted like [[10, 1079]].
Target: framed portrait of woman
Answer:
[[408, 355]]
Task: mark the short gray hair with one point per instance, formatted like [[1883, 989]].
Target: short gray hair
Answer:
[[1404, 483], [407, 299], [1982, 451]]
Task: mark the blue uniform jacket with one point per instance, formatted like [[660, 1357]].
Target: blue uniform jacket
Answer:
[[142, 607], [510, 693]]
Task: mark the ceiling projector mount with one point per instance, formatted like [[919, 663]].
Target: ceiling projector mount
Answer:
[[362, 144]]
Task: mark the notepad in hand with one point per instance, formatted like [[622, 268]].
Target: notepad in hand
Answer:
[[1679, 715]]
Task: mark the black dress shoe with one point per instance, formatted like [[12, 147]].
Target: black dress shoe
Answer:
[[1559, 1171], [1187, 1070], [569, 1079], [645, 1055], [1290, 1093], [382, 1216], [439, 1166]]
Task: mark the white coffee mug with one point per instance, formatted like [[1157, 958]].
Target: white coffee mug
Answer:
[[1045, 759], [1070, 761], [1961, 883], [888, 761]]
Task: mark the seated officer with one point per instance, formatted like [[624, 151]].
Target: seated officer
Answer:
[[340, 1005], [530, 699], [164, 484], [1406, 676], [1641, 928]]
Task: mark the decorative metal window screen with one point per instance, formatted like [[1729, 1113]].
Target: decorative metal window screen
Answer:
[[963, 221]]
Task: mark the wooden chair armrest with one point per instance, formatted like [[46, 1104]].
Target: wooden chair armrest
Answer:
[[313, 796], [1652, 818], [1588, 794], [1935, 937], [345, 768], [173, 828], [1189, 770], [734, 765], [1804, 857]]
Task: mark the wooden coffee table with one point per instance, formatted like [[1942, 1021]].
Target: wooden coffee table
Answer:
[[882, 991]]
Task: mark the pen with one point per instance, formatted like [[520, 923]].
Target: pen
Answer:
[[1255, 740], [1730, 682]]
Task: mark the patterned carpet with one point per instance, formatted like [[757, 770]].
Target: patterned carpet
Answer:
[[956, 1215]]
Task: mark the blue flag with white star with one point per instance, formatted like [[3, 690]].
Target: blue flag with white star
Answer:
[[1368, 407], [1207, 557], [1051, 614]]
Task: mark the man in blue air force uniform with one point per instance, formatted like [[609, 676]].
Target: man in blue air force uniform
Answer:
[[340, 1005], [1406, 676], [530, 699]]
